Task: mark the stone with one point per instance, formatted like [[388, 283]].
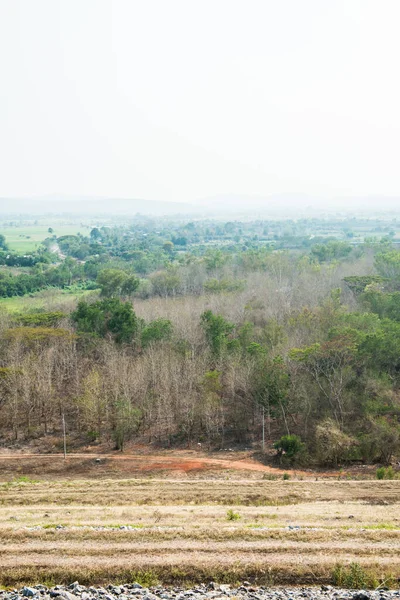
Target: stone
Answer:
[[65, 595], [29, 592], [115, 589]]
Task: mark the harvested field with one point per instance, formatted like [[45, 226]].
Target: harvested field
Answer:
[[184, 531]]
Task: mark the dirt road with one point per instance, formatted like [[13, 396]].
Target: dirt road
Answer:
[[146, 463]]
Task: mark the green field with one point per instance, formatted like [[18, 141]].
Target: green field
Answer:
[[26, 238], [46, 299]]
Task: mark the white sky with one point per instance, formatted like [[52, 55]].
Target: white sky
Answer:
[[181, 99]]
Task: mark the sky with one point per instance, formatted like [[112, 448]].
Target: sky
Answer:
[[185, 99]]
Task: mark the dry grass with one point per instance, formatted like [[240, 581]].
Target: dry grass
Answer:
[[200, 492], [181, 533]]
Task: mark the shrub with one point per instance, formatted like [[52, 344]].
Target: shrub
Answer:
[[333, 445], [382, 441], [380, 473], [92, 435], [385, 473], [30, 335], [45, 319], [353, 576], [156, 331], [219, 286], [290, 446], [165, 283], [232, 516], [25, 479]]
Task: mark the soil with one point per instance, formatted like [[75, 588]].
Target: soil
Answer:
[[141, 460]]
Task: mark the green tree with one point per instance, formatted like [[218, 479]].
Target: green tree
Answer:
[[382, 440], [333, 250], [168, 247], [130, 285], [388, 265], [165, 283], [115, 282], [3, 243], [155, 331], [217, 330], [105, 317], [215, 259], [380, 349], [330, 366], [358, 283], [95, 234]]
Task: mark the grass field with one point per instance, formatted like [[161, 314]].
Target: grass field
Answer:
[[50, 299], [26, 238], [191, 530]]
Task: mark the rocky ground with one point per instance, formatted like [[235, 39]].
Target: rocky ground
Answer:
[[211, 591]]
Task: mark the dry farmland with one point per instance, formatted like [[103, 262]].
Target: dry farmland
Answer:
[[181, 531]]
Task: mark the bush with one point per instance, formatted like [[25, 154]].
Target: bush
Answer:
[[219, 286], [333, 445], [156, 331], [45, 319], [232, 516], [390, 474], [31, 335], [165, 283], [93, 436], [286, 476], [290, 446], [270, 476], [353, 576], [382, 441], [380, 473], [385, 473]]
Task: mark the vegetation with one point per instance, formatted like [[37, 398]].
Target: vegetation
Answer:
[[182, 532], [354, 577], [204, 333]]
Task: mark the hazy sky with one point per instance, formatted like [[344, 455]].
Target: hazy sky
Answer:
[[181, 99]]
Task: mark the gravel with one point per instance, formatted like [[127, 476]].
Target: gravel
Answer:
[[212, 591]]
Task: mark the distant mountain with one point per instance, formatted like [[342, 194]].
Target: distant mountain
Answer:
[[241, 203], [223, 205], [297, 204], [92, 205], [373, 202]]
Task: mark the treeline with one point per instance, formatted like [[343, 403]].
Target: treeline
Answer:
[[170, 258], [314, 348], [158, 273], [40, 277]]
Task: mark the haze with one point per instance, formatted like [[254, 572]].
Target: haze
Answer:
[[183, 100]]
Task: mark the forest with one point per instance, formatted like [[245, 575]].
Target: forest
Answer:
[[185, 333]]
